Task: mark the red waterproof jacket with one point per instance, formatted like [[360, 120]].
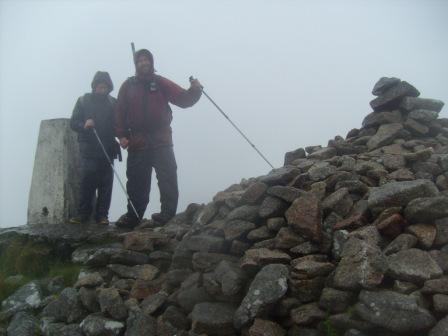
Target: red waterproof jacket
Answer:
[[143, 114]]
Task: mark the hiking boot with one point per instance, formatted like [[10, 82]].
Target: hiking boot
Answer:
[[78, 220], [127, 222], [161, 218], [102, 220]]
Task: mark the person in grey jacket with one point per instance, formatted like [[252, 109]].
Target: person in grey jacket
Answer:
[[95, 110]]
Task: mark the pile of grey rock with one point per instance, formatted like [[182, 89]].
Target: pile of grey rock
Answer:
[[348, 239]]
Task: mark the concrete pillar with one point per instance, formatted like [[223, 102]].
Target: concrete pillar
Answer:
[[54, 191]]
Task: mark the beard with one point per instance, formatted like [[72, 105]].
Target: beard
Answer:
[[144, 70]]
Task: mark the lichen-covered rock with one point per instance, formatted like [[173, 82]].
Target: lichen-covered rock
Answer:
[[254, 259], [236, 229], [204, 243], [287, 238], [139, 324], [143, 240], [413, 265], [308, 267], [305, 217], [393, 311], [111, 303], [435, 286], [153, 302], [272, 207], [191, 294], [97, 257], [89, 299], [307, 314], [27, 297], [89, 280], [425, 233], [426, 209], [415, 103], [286, 193], [23, 324], [214, 319], [402, 242], [400, 193], [280, 176], [254, 193], [379, 118], [391, 97], [231, 278], [65, 308], [440, 304], [323, 154], [142, 272], [383, 84], [268, 286], [441, 328], [385, 135], [362, 265], [441, 232], [98, 325], [336, 301], [266, 328]]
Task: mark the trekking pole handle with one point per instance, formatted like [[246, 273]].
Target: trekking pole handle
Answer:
[[191, 78]]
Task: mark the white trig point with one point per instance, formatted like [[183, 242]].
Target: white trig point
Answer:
[[54, 191]]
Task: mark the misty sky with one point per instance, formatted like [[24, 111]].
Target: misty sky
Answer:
[[289, 73]]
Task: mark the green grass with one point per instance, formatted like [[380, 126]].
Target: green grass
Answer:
[[7, 289], [329, 330], [25, 257], [69, 271], [34, 261]]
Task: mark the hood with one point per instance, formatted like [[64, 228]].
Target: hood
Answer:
[[102, 77], [147, 53]]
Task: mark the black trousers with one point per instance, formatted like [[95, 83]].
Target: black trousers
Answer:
[[97, 176], [139, 170]]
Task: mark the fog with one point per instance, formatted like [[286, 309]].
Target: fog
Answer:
[[289, 73]]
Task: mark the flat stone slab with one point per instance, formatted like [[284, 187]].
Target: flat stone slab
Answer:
[[70, 233]]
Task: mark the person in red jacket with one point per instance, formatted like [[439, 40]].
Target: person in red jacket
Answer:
[[142, 124]]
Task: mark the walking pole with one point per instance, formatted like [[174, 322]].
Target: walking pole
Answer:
[[235, 126], [115, 172], [133, 49]]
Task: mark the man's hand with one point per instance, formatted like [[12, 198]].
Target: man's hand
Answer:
[[89, 124], [194, 84], [124, 143]]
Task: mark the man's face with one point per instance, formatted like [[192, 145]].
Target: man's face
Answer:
[[143, 65], [101, 88]]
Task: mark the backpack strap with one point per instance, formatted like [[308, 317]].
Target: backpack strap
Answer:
[[154, 85]]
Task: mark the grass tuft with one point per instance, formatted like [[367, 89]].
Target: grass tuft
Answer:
[[34, 261]]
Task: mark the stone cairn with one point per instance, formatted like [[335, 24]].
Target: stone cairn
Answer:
[[349, 239]]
